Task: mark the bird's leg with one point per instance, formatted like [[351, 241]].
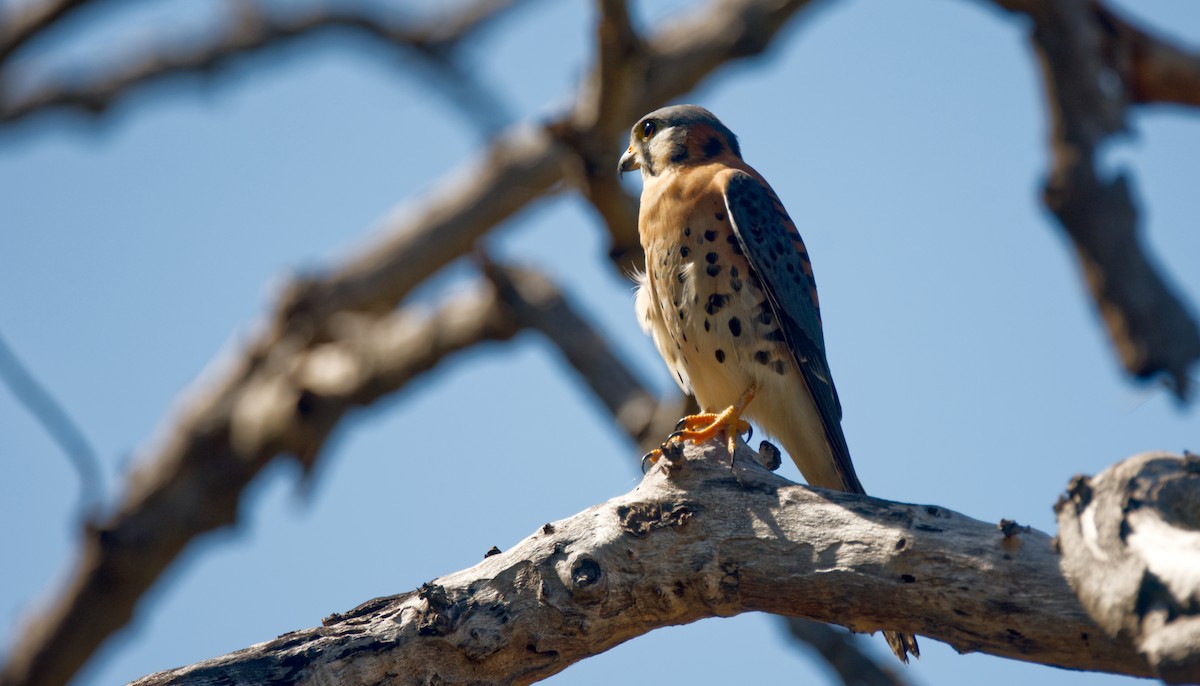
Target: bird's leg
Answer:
[[706, 425]]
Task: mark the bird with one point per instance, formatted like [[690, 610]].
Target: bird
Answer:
[[729, 298]]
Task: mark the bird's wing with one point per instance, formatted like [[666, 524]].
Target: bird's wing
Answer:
[[778, 257]]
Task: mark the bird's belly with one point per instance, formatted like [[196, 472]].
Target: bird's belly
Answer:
[[712, 322]]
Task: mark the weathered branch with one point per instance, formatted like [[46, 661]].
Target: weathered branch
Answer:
[[537, 304], [1130, 541], [24, 21], [279, 400], [253, 29], [696, 539], [1094, 64]]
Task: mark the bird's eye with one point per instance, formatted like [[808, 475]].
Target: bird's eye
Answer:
[[648, 129]]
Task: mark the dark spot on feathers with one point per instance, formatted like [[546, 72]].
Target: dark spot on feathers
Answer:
[[681, 276], [707, 326], [711, 258], [733, 271], [710, 235], [713, 269], [735, 284], [720, 356], [687, 230], [681, 313], [776, 335], [715, 302], [720, 216], [779, 367], [713, 147], [762, 357], [766, 317], [735, 326], [683, 252]]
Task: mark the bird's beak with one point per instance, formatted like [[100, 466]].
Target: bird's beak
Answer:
[[628, 162]]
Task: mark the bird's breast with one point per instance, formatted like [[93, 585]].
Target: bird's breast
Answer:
[[706, 309]]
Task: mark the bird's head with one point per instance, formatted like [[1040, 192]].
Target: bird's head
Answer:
[[674, 136]]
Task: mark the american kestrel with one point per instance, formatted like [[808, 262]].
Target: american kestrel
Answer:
[[728, 296]]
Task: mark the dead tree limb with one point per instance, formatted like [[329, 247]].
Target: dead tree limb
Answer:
[[840, 650], [274, 401], [1130, 541], [24, 21], [253, 29], [1094, 66], [696, 539], [539, 305]]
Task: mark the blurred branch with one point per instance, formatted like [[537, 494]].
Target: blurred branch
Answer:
[[277, 400], [841, 650], [25, 21], [1094, 65], [57, 423], [253, 29], [696, 539], [539, 305]]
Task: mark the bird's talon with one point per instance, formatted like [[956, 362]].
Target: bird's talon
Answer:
[[652, 457]]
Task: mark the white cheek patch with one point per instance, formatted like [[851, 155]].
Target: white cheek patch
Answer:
[[664, 145]]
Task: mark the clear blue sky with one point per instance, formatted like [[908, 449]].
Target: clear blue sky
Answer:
[[906, 139]]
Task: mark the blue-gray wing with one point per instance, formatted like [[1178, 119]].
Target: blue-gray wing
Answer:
[[779, 259]]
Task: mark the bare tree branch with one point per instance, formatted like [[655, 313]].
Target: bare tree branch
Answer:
[[539, 305], [840, 650], [57, 423], [701, 541], [1094, 64], [22, 23], [254, 29], [275, 401], [1130, 541]]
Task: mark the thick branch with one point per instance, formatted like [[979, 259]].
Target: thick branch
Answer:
[[1094, 64], [703, 541], [1130, 541], [276, 401]]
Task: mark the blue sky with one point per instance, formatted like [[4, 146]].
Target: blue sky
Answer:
[[906, 139]]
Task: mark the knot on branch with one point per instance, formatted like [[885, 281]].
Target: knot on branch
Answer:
[[1130, 541], [436, 617], [640, 519]]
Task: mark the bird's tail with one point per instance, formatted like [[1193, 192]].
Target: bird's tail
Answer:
[[902, 645]]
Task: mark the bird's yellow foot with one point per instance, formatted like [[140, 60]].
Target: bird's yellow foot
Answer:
[[699, 428], [706, 425]]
